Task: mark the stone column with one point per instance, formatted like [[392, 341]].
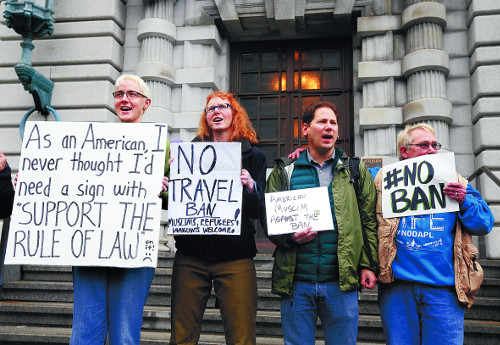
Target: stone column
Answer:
[[157, 34], [425, 67], [483, 44], [377, 76]]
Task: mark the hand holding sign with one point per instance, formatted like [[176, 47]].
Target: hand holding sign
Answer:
[[421, 185], [456, 191], [3, 161], [205, 189], [87, 195], [304, 236], [247, 180], [296, 211]]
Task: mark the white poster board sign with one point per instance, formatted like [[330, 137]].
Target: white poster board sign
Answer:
[[87, 195], [204, 189], [415, 186], [295, 210]]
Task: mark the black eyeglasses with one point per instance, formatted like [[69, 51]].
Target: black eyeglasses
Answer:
[[425, 145], [130, 94], [221, 107]]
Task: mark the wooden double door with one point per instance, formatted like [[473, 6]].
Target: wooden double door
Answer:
[[276, 81]]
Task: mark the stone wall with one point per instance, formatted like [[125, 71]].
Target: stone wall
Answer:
[[483, 48], [436, 61], [83, 58]]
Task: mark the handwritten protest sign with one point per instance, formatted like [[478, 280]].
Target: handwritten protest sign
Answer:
[[204, 190], [415, 186], [87, 195], [296, 210]]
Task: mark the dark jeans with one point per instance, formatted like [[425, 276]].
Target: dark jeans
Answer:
[[235, 286], [3, 247]]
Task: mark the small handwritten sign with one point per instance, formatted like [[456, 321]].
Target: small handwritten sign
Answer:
[[205, 191], [87, 195], [415, 186], [295, 210]]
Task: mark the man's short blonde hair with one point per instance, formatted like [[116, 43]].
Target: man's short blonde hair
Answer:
[[142, 85], [405, 138]]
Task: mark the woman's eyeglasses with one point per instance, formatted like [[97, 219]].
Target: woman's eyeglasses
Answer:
[[221, 107]]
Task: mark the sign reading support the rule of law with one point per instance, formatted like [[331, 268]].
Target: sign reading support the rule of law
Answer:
[[295, 210], [415, 186], [87, 195], [204, 189]]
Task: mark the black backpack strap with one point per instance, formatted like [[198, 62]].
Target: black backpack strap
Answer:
[[354, 169]]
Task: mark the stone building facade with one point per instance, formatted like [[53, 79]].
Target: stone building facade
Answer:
[[386, 63]]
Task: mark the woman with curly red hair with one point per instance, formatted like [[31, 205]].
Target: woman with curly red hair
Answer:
[[221, 260], [241, 126]]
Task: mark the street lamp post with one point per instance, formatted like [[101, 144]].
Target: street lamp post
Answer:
[[32, 21]]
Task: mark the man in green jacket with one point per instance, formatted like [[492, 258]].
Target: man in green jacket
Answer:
[[318, 273]]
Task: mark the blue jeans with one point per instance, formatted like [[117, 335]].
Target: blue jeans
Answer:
[[420, 314], [109, 299], [337, 310]]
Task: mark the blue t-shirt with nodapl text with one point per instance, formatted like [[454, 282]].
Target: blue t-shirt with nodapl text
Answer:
[[425, 249], [425, 243]]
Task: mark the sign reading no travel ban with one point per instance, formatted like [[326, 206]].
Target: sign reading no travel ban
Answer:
[[204, 190]]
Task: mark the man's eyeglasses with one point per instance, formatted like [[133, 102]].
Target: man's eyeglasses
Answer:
[[425, 145], [221, 107], [130, 94]]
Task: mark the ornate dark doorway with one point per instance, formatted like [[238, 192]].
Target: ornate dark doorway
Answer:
[[276, 81]]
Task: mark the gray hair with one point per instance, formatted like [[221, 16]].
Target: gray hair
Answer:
[[404, 137]]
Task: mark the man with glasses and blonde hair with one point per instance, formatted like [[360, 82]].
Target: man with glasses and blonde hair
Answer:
[[110, 300], [427, 261], [405, 138]]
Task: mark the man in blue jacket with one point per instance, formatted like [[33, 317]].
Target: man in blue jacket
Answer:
[[318, 273], [426, 281]]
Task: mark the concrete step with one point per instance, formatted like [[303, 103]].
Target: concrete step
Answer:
[[44, 298], [490, 287], [263, 262], [485, 307], [155, 317], [159, 295], [476, 333], [491, 267], [28, 315], [12, 335], [163, 276]]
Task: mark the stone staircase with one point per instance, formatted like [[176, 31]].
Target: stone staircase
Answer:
[[37, 309]]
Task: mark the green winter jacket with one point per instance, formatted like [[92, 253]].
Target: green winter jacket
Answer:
[[353, 255]]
